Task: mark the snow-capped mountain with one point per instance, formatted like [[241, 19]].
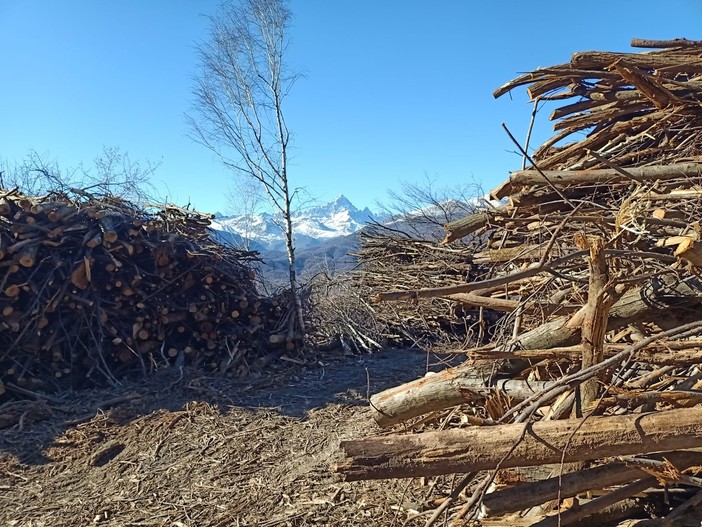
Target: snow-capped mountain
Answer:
[[311, 226]]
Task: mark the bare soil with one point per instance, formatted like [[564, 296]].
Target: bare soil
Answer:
[[187, 449]]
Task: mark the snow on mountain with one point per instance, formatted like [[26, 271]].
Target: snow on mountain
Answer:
[[311, 226]]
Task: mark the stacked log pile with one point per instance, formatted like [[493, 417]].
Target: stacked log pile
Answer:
[[594, 259], [95, 288]]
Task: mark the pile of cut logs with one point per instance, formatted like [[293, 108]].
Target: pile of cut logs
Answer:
[[585, 406], [95, 288]]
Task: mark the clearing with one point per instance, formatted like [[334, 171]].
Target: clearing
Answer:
[[183, 448]]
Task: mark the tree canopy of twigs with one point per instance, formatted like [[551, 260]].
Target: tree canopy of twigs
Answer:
[[112, 173]]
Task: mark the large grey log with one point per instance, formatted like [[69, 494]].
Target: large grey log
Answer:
[[521, 444]]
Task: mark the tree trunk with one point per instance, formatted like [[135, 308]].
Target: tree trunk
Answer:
[[518, 445], [294, 289], [447, 388]]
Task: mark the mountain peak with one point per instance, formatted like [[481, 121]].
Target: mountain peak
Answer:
[[340, 202], [341, 199], [336, 218]]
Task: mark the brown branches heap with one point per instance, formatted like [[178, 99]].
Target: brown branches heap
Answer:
[[388, 258], [95, 288], [593, 259]]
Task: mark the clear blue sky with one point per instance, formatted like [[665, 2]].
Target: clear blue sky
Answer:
[[394, 90]]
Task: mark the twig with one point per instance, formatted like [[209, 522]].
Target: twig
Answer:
[[546, 179]]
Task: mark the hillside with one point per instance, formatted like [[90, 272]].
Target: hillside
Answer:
[[327, 235]]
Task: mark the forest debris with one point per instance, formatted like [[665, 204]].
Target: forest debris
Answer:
[[95, 288], [586, 281]]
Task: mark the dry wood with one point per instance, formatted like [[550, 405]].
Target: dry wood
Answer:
[[624, 192], [517, 445], [94, 285], [523, 178], [675, 43], [463, 227], [638, 304], [595, 316], [690, 250], [526, 495], [447, 388], [671, 353], [597, 504]]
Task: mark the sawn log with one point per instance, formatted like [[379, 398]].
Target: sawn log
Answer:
[[521, 444]]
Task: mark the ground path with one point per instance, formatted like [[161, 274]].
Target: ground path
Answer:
[[188, 449]]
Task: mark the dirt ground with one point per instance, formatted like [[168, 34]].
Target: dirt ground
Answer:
[[188, 449]]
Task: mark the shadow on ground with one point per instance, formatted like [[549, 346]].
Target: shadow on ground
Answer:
[[28, 427], [184, 448]]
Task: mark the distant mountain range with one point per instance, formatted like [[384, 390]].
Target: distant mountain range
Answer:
[[326, 235], [312, 226]]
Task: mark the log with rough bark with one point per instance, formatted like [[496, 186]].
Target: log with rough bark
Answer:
[[519, 445], [531, 177], [561, 486], [447, 388], [597, 504]]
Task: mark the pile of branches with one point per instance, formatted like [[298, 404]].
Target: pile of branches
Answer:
[[594, 379], [94, 288], [637, 108], [389, 257]]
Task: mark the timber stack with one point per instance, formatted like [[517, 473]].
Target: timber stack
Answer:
[[95, 288], [584, 407]]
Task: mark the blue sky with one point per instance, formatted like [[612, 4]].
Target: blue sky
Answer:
[[394, 91]]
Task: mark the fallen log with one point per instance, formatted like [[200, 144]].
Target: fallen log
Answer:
[[598, 176], [457, 229], [683, 353], [447, 388], [595, 505], [526, 495], [520, 444]]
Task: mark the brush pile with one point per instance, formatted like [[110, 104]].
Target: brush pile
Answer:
[[592, 378], [389, 256], [92, 289]]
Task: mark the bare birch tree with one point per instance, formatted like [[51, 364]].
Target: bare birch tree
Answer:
[[238, 106]]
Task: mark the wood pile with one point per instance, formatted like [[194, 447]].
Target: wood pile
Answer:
[[389, 257], [585, 406], [92, 289]]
